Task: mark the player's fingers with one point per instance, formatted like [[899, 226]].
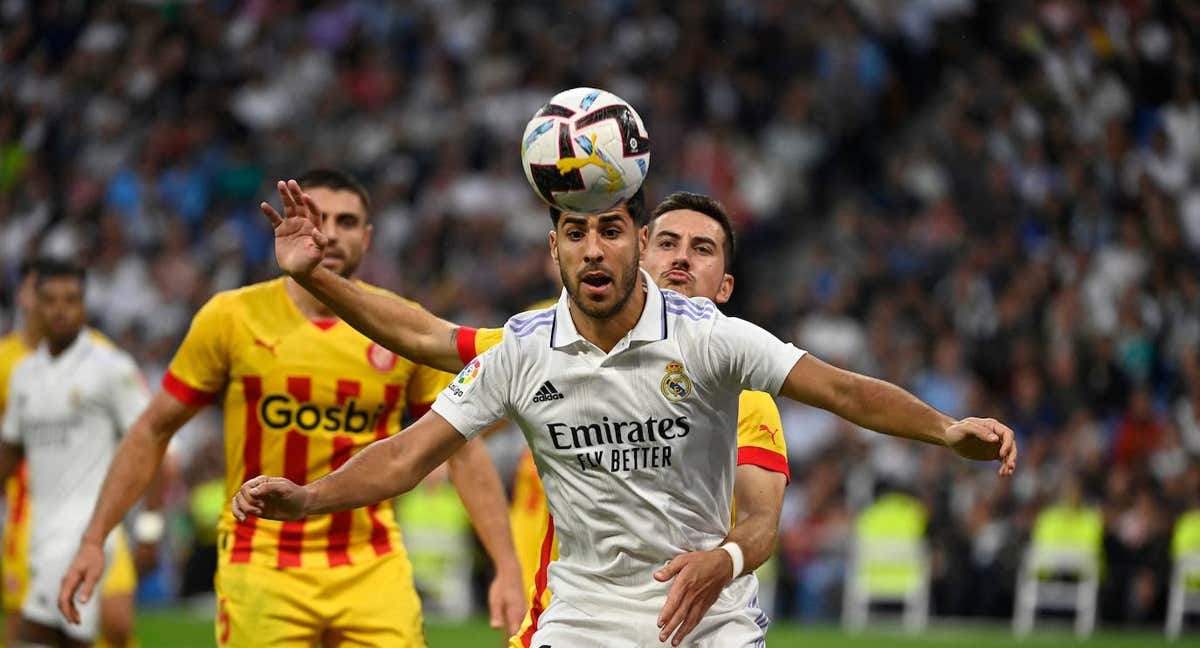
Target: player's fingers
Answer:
[[675, 621], [66, 594], [297, 194], [1010, 462], [516, 614], [271, 214], [670, 569], [286, 196], [85, 591], [983, 431], [671, 605], [689, 624]]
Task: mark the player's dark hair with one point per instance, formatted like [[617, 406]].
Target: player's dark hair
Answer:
[[47, 269], [337, 181], [706, 205], [636, 204]]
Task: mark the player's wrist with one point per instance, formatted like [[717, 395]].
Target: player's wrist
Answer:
[[736, 557], [309, 501], [92, 537]]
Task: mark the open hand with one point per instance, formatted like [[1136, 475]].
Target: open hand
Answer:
[[984, 440], [299, 241]]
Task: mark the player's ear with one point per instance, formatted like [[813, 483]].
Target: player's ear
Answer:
[[554, 245], [368, 229], [643, 241], [725, 290]]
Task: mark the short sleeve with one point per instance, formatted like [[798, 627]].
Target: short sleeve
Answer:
[[760, 433], [478, 395], [200, 368], [746, 355], [423, 388], [128, 392], [473, 342]]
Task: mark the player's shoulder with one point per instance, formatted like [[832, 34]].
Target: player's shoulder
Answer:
[[248, 294], [537, 323], [106, 355], [690, 318]]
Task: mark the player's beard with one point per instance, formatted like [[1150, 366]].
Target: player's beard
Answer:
[[623, 285]]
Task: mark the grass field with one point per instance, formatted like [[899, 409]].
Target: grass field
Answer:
[[175, 629]]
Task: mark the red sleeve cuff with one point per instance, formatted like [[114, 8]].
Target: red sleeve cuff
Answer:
[[773, 461], [466, 343], [185, 393]]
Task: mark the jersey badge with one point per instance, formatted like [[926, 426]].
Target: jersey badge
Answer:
[[675, 385], [465, 381], [381, 358]]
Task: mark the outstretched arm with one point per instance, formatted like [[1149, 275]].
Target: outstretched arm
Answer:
[[881, 406], [403, 328], [383, 469]]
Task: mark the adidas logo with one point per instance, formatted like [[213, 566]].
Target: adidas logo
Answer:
[[547, 392]]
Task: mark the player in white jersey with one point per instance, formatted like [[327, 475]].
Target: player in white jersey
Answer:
[[69, 404], [638, 456]]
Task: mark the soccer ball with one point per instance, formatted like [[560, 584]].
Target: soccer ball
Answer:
[[585, 151]]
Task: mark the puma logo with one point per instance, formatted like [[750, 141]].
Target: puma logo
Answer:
[[612, 175], [268, 347], [770, 433]]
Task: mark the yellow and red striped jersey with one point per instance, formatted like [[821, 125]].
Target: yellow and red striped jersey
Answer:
[[300, 398], [16, 488]]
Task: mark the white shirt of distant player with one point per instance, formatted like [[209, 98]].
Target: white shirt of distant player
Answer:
[[69, 413], [636, 447]]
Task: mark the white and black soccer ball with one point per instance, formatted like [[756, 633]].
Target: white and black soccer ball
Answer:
[[585, 151]]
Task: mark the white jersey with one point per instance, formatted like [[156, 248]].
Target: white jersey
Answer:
[[636, 447], [69, 412]]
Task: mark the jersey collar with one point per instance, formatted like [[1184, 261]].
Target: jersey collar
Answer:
[[75, 348], [650, 327]]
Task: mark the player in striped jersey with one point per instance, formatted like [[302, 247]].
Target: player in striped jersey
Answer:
[[302, 393]]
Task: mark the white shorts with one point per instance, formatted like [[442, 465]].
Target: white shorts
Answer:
[[563, 625], [46, 571]]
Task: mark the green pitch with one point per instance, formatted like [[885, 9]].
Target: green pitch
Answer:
[[177, 629]]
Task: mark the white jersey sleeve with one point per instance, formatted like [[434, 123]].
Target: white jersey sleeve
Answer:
[[744, 354], [478, 395], [128, 395]]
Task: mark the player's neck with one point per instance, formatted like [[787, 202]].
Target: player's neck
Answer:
[[56, 347], [309, 306], [606, 332]]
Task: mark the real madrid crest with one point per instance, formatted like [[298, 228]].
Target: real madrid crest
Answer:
[[676, 385]]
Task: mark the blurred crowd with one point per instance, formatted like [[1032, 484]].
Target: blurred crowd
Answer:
[[995, 204]]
